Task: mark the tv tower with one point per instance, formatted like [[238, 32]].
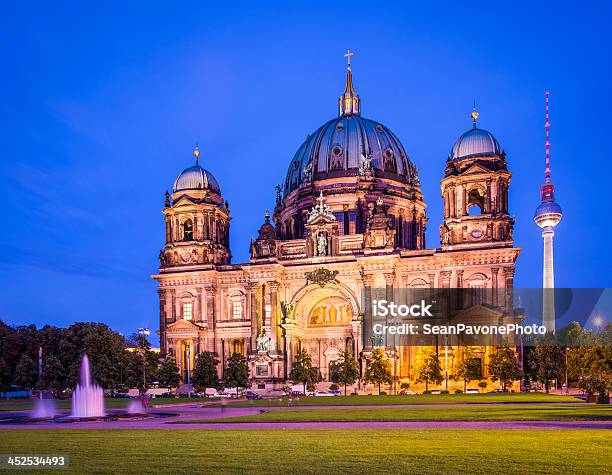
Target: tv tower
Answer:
[[547, 216]]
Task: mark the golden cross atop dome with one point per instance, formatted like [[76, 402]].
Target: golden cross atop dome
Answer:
[[196, 153], [348, 55]]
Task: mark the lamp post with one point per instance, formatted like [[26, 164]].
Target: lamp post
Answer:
[[394, 367], [522, 318], [143, 333], [446, 360], [189, 370], [40, 370]]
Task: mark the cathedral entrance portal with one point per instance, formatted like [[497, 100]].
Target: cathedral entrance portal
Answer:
[[327, 319]]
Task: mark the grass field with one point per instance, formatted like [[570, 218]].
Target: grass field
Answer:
[[493, 398], [111, 403], [430, 413], [321, 451]]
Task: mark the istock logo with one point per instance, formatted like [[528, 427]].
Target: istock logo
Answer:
[[383, 308]]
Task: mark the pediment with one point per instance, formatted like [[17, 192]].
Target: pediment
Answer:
[[480, 312], [475, 169], [184, 326], [184, 200]]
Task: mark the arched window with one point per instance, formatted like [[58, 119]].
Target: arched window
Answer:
[[478, 285], [474, 210], [475, 204], [188, 230]]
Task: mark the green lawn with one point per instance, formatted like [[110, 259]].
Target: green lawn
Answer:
[[320, 451], [415, 399], [111, 403], [431, 413]]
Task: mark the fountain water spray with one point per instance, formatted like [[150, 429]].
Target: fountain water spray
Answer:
[[88, 398], [44, 409]]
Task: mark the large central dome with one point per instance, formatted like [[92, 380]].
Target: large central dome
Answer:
[[346, 145], [338, 148]]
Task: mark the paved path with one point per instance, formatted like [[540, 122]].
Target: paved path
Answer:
[[177, 417]]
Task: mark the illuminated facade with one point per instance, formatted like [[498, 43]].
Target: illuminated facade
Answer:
[[350, 217]]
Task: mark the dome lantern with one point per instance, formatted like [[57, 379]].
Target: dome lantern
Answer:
[[349, 103]]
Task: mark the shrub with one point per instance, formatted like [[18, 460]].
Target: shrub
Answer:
[[383, 393], [444, 392], [427, 392], [405, 385], [458, 391], [334, 387], [482, 384]]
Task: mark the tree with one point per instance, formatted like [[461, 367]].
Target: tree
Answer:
[[345, 370], [53, 375], [597, 384], [25, 372], [237, 371], [168, 373], [302, 370], [5, 376], [470, 367], [504, 367], [10, 346], [204, 373], [105, 348], [547, 362], [430, 370], [378, 369], [596, 364]]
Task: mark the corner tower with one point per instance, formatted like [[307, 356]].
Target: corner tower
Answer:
[[475, 192], [197, 221]]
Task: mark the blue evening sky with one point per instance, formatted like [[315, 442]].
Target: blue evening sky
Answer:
[[102, 104]]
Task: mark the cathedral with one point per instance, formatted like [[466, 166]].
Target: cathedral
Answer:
[[349, 219]]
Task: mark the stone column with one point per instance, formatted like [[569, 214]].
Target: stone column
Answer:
[[274, 315], [173, 304], [211, 316], [444, 280], [495, 285], [288, 350], [162, 322], [252, 289], [368, 280], [198, 310], [459, 292], [509, 286], [389, 296]]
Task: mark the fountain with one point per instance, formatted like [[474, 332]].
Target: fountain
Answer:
[[136, 407], [44, 409], [88, 398]]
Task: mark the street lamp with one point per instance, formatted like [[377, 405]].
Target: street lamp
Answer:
[[598, 321], [143, 333], [446, 361], [189, 370]]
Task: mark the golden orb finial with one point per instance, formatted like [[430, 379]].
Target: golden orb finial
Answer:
[[196, 153], [474, 115]]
